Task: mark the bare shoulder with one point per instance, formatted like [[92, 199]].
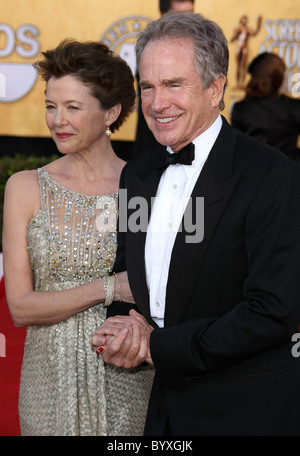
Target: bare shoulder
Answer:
[[22, 181], [22, 190]]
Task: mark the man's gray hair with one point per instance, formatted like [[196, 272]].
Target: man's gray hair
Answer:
[[210, 43]]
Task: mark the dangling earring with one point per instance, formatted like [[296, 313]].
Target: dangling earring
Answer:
[[108, 132]]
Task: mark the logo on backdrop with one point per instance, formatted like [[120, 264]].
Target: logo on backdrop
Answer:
[[17, 79], [283, 38], [121, 36]]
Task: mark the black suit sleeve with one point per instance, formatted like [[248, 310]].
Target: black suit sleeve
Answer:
[[120, 307]]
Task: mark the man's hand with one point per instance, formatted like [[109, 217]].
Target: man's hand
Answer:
[[124, 340]]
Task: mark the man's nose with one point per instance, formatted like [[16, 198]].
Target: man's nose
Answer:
[[160, 100]]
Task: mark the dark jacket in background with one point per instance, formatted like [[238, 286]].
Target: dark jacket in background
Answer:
[[275, 121]]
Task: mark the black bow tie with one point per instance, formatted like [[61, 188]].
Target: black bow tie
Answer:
[[184, 156]]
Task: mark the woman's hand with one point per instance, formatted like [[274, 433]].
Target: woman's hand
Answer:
[[122, 288], [124, 341]]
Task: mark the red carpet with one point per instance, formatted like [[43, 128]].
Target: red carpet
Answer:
[[11, 354]]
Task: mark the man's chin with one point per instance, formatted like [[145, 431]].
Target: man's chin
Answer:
[[161, 139]]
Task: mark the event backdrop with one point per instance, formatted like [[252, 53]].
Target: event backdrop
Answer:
[[31, 26]]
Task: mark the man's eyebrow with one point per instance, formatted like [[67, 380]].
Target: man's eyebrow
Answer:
[[178, 80], [144, 83], [166, 82]]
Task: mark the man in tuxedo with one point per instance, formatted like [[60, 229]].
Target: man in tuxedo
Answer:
[[217, 295]]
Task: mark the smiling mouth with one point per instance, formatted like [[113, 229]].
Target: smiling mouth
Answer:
[[164, 120]]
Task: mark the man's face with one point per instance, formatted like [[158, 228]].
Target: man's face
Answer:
[[179, 7], [176, 107]]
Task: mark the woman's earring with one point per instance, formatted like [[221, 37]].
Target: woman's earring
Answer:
[[108, 132]]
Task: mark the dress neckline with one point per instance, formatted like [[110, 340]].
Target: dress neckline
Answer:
[[54, 181]]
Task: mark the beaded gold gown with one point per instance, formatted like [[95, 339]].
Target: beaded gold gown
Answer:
[[66, 389]]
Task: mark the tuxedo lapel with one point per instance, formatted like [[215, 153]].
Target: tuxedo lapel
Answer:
[[146, 187]]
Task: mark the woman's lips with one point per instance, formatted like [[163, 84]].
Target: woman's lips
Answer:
[[63, 135]]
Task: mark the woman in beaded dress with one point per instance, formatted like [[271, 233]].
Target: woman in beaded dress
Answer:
[[59, 244]]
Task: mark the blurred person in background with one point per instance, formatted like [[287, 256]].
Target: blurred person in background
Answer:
[[266, 113]]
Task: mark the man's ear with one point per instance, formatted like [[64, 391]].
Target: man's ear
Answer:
[[217, 90]]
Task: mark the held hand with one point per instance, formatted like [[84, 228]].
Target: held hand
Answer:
[[124, 340]]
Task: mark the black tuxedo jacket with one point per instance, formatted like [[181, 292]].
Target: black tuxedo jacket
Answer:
[[223, 360]]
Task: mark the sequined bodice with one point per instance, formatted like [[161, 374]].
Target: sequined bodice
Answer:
[[73, 236]]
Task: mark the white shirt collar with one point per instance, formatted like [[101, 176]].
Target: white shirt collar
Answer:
[[203, 145]]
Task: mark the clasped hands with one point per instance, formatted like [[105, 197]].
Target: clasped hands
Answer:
[[124, 341]]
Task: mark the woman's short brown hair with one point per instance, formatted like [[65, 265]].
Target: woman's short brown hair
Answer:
[[267, 72], [109, 77]]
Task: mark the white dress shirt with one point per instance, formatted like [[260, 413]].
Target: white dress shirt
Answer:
[[173, 193]]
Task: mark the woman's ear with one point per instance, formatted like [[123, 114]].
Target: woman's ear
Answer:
[[113, 113]]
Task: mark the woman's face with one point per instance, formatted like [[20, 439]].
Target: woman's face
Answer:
[[74, 116]]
